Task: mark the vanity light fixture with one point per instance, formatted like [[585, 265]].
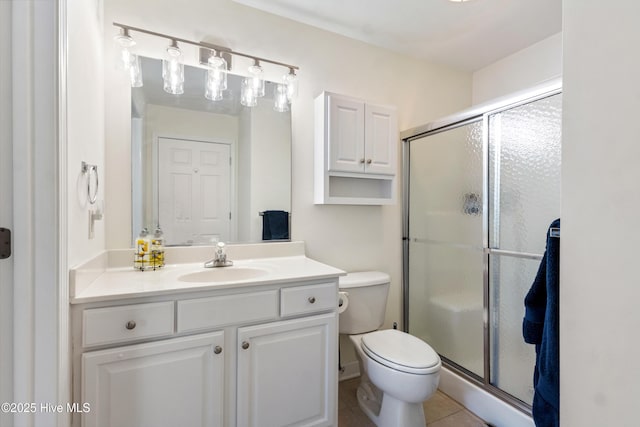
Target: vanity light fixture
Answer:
[[216, 78], [257, 80], [217, 68], [173, 70], [291, 83], [127, 60]]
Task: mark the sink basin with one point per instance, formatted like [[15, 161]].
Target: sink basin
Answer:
[[223, 274]]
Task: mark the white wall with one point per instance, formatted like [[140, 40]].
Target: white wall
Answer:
[[600, 290], [535, 64], [85, 92], [349, 237]]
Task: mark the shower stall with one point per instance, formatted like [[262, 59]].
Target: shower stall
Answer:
[[480, 190]]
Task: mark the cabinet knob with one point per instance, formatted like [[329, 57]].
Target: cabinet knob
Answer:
[[361, 160], [217, 349], [130, 325], [245, 345], [312, 299], [368, 161]]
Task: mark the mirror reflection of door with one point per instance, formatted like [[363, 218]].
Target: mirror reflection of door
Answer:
[[193, 198]]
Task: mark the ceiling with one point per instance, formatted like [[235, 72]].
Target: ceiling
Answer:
[[467, 36]]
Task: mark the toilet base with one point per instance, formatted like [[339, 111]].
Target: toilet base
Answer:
[[386, 411]]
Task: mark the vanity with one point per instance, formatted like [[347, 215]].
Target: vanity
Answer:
[[254, 344]]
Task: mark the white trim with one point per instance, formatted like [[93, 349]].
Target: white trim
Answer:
[[38, 331], [64, 339], [484, 405], [6, 214]]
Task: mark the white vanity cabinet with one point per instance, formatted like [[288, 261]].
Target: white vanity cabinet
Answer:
[[356, 146], [248, 356]]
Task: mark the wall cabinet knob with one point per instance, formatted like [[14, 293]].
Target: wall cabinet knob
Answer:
[[245, 345], [217, 349], [130, 324], [368, 161], [312, 299], [361, 160]]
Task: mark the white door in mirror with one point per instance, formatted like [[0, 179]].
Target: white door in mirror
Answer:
[[193, 191]]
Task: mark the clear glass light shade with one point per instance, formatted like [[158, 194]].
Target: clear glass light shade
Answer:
[[256, 76], [248, 96], [216, 78], [173, 71], [281, 101], [135, 72], [123, 43], [291, 83]]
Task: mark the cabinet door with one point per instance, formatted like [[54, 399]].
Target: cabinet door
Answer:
[[287, 373], [381, 136], [177, 382], [346, 134]]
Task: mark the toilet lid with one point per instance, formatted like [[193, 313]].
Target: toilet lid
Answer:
[[363, 278], [401, 351]]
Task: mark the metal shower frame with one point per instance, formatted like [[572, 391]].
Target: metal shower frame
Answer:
[[471, 115]]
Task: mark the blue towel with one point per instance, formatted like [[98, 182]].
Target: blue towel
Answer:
[[541, 327], [275, 225]]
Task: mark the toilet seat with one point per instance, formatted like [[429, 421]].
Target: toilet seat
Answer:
[[401, 351]]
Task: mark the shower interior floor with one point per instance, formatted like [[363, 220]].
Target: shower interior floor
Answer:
[[440, 410]]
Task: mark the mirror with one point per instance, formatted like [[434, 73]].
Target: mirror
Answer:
[[208, 170]]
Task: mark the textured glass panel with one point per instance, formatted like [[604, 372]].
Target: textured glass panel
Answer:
[[445, 249], [524, 174], [513, 360]]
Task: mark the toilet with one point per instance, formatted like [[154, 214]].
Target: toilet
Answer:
[[398, 371]]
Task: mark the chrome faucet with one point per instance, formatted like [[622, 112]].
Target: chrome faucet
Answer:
[[219, 258]]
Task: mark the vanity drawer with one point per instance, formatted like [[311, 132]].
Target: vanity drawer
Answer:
[[126, 323], [308, 299], [207, 313]]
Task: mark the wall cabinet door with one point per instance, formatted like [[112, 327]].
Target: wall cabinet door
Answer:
[[287, 373], [177, 382], [380, 136], [346, 135]]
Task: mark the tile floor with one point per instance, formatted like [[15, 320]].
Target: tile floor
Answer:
[[440, 410]]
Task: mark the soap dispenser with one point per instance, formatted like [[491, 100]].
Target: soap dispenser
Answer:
[[142, 256], [157, 249]]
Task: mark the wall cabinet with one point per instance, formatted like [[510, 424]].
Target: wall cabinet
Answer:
[[355, 151], [252, 356]]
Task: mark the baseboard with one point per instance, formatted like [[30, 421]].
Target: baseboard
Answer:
[[349, 370], [486, 406]]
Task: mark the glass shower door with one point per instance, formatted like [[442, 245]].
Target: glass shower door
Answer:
[[524, 198], [446, 261]]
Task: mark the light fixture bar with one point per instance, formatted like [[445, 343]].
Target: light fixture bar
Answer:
[[207, 45]]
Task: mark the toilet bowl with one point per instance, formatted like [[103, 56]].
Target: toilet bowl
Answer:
[[398, 371]]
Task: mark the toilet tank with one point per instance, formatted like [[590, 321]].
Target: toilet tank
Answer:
[[367, 301]]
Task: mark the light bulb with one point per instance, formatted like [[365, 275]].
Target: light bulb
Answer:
[[135, 72], [248, 96], [281, 102]]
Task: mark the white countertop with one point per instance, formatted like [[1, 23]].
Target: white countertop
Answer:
[[125, 282]]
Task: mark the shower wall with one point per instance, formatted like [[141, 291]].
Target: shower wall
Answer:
[[481, 193]]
